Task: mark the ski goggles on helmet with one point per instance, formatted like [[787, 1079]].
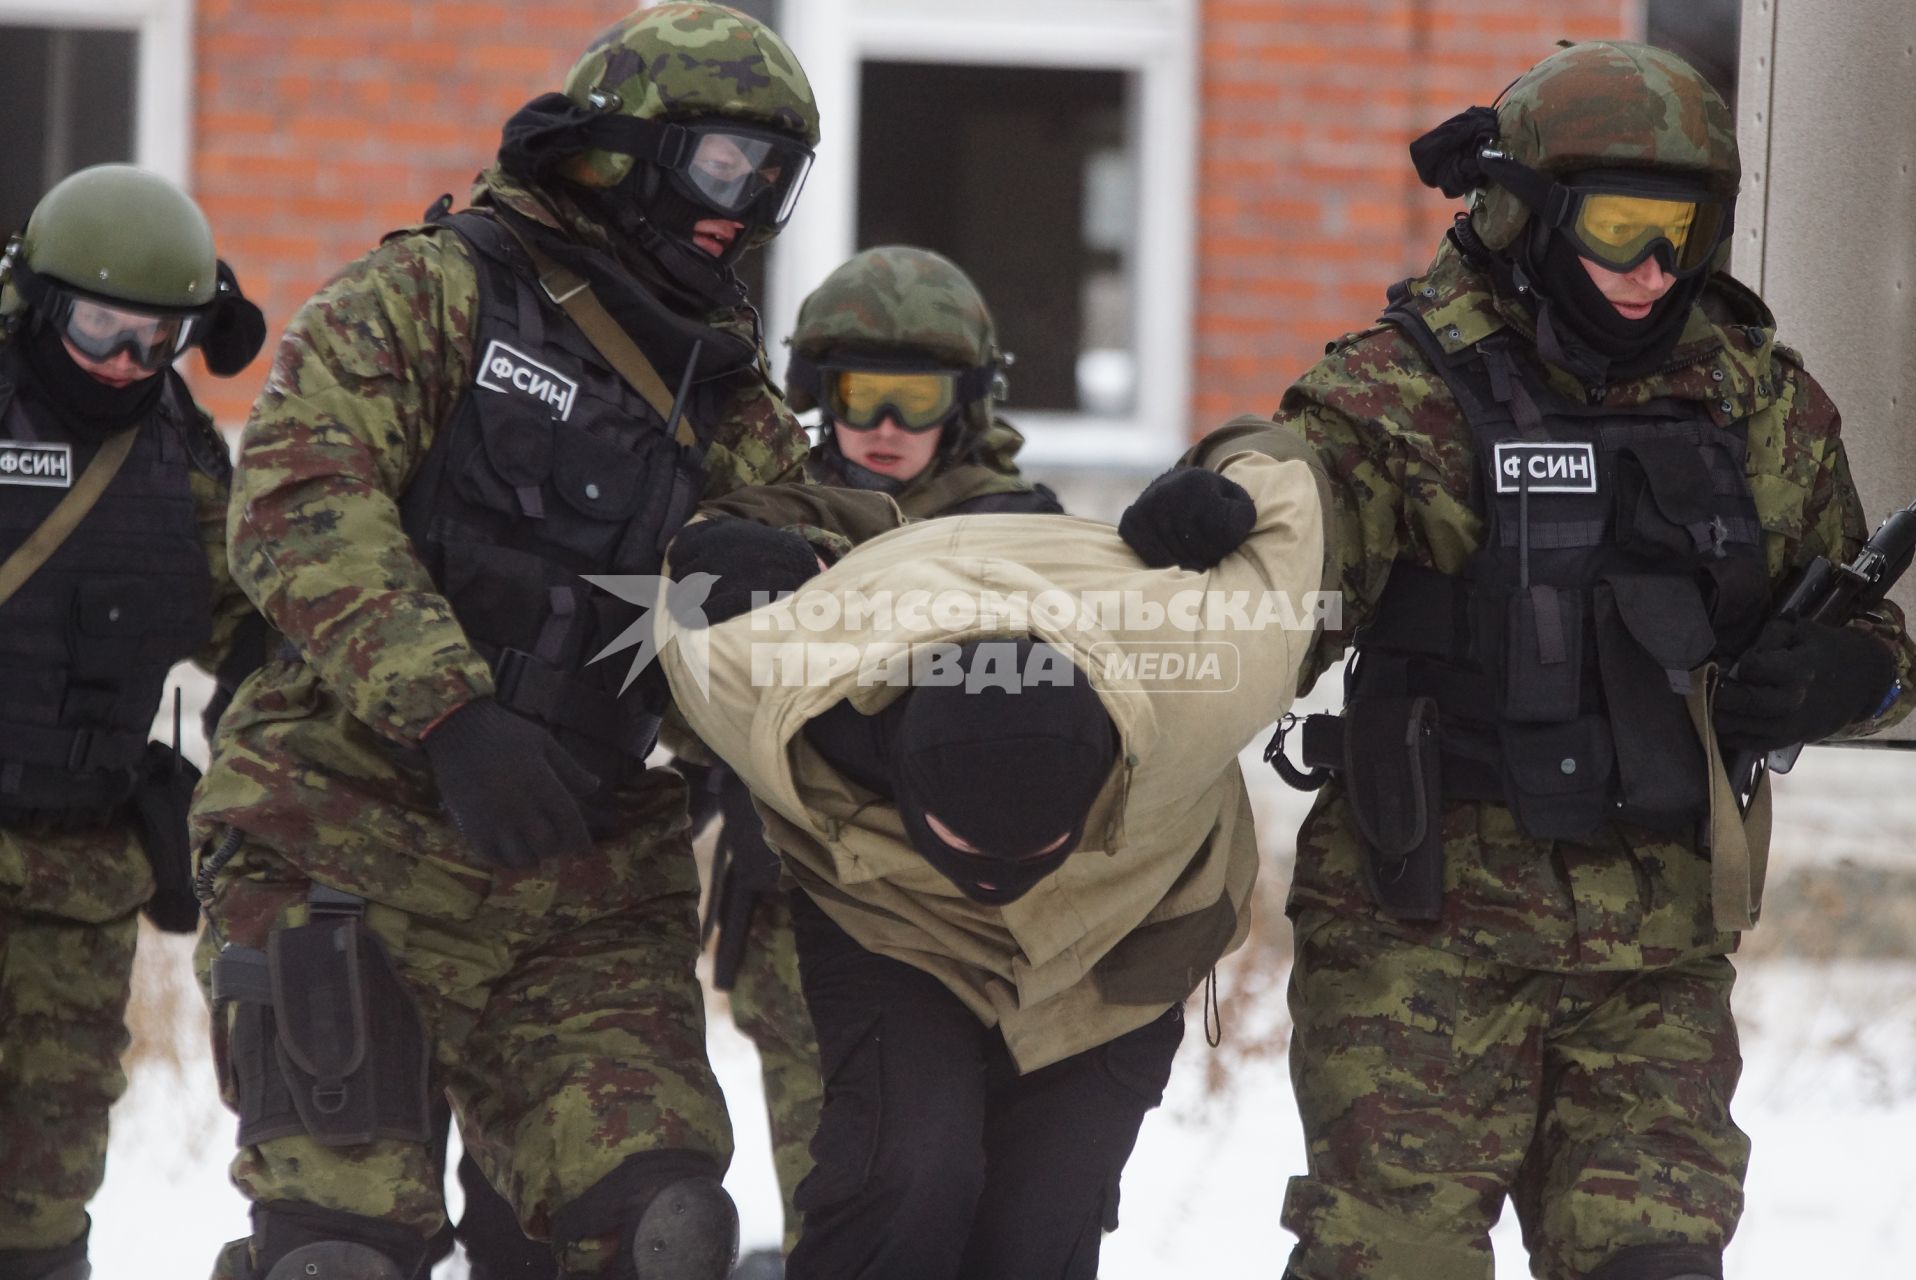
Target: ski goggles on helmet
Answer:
[[863, 398], [1619, 228], [738, 171], [1617, 220], [101, 329], [861, 393]]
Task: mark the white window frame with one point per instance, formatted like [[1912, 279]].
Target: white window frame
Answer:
[[1154, 40], [162, 109]]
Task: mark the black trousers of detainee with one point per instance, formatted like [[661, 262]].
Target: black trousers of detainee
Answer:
[[935, 1159]]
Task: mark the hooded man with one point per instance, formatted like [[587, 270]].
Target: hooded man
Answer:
[[436, 859], [1007, 789], [897, 348]]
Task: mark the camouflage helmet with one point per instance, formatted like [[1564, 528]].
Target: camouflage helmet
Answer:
[[1608, 104], [122, 234], [685, 60], [898, 302]]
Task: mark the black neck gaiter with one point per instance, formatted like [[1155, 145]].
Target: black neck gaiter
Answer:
[[87, 407], [1582, 331]]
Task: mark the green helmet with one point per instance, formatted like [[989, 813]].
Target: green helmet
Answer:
[[125, 235], [1608, 105], [899, 305], [684, 61]]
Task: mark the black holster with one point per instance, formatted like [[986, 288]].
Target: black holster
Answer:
[[326, 1039], [1388, 759], [160, 801]]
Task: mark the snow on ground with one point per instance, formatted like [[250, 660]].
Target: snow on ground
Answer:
[[1829, 1096]]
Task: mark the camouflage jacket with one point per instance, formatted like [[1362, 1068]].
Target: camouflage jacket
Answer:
[[990, 472], [1402, 470], [368, 371]]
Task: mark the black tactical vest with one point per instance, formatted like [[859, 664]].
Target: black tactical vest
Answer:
[[86, 642], [1621, 549], [550, 468]]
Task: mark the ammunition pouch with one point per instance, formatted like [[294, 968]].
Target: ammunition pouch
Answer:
[[1386, 749], [160, 801], [326, 1040]]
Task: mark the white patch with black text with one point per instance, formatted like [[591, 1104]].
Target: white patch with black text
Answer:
[[508, 369], [1546, 468], [48, 466]]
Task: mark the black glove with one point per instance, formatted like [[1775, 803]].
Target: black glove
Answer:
[[235, 329], [747, 558], [1801, 682], [512, 790], [1188, 517]]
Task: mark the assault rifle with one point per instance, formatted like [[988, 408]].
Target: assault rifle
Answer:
[[1834, 593]]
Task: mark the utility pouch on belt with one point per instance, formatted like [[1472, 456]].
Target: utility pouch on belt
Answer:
[[326, 1040], [1390, 767], [160, 800]]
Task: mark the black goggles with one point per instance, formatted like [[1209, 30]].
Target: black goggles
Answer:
[[738, 171], [1617, 220], [862, 394], [101, 329]]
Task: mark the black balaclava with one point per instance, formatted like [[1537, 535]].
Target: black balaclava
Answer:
[[644, 210], [1581, 330], [1578, 329], [89, 408], [1007, 770]]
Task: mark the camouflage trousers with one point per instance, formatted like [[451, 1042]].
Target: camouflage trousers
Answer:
[[1432, 1085], [565, 1025], [68, 927], [769, 1008]]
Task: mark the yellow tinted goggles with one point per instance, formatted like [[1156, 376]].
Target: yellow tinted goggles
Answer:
[[862, 398], [1620, 231]]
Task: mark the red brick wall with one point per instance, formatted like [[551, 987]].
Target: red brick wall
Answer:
[[1307, 204], [320, 124]]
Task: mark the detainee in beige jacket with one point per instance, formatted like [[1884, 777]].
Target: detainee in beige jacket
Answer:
[[1190, 666]]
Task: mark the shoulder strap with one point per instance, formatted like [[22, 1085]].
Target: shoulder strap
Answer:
[[570, 290], [65, 518]]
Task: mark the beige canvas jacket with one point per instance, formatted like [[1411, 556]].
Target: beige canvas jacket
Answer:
[[1160, 885]]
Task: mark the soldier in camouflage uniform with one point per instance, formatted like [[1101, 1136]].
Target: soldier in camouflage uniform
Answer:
[[435, 859], [898, 347], [113, 279], [1562, 490]]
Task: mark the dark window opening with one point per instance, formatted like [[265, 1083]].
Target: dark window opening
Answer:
[[1024, 176], [1704, 33], [66, 102]]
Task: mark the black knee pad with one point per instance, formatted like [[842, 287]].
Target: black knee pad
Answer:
[[293, 1240], [335, 1260], [1662, 1262], [68, 1262], [673, 1219]]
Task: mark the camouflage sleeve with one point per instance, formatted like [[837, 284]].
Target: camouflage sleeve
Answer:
[[1834, 525], [369, 367], [231, 608], [1365, 467]]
